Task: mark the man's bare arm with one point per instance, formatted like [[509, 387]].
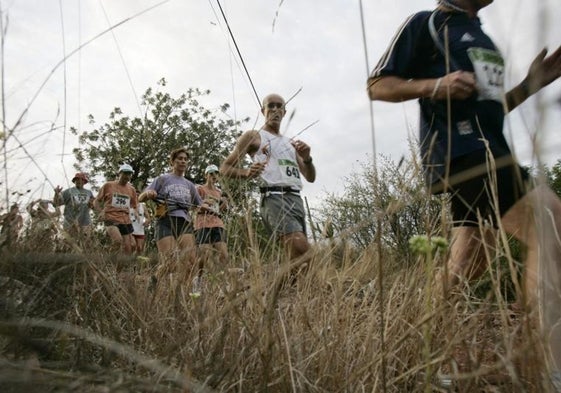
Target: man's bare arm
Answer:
[[248, 144], [457, 85]]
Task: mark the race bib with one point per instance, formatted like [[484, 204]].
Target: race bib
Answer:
[[214, 204], [120, 201], [489, 73], [80, 199], [290, 174]]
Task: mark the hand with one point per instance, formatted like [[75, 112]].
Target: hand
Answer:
[[151, 194], [58, 189], [461, 85], [302, 149], [543, 70], [255, 170]]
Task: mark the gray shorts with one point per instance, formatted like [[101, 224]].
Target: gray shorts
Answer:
[[283, 213]]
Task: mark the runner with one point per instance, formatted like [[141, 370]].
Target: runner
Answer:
[[209, 227], [278, 163], [175, 196], [11, 222], [466, 154], [114, 201], [140, 218], [43, 227], [77, 203]]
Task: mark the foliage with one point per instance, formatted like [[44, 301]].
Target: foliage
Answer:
[[145, 143], [75, 322], [98, 322], [393, 197], [553, 176]]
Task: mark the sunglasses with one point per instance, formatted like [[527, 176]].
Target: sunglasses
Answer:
[[275, 105]]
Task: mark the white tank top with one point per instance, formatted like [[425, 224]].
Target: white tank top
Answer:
[[138, 225], [282, 165]]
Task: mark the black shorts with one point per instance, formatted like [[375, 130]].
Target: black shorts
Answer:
[[210, 235], [477, 188], [172, 226], [124, 229]]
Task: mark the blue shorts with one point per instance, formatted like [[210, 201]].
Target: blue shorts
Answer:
[[283, 213], [172, 226]]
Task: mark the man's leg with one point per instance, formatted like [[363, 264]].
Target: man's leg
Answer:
[[298, 250], [536, 221], [467, 259], [295, 243]]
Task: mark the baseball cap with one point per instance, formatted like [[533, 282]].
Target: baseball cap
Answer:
[[211, 169], [80, 175], [126, 168]]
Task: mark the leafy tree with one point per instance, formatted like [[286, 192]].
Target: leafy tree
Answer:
[[145, 143], [554, 177], [392, 196]]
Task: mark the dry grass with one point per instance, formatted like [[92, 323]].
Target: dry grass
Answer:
[[72, 323]]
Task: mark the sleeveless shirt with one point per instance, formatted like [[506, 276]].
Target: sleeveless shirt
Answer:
[[282, 164]]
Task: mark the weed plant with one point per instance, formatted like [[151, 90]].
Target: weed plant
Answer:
[[353, 321]]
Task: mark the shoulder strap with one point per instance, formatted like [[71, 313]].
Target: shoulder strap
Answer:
[[438, 44], [428, 45]]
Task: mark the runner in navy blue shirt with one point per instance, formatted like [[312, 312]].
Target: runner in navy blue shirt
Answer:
[[466, 153]]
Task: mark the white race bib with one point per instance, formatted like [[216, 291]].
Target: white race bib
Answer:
[[120, 201], [489, 73], [289, 172]]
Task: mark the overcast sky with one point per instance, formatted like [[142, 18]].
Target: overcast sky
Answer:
[[286, 45]]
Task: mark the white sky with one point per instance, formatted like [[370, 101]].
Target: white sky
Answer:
[[316, 45]]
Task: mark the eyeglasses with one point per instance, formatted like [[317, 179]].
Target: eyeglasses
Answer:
[[275, 105]]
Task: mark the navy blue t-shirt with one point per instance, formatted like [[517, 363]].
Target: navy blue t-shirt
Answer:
[[475, 121]]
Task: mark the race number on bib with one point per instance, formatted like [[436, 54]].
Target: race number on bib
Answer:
[[489, 72], [289, 172], [120, 201]]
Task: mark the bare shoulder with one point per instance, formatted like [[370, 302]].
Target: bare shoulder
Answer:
[[248, 142]]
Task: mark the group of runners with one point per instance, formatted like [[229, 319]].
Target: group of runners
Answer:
[[441, 57]]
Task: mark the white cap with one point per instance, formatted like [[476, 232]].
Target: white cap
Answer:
[[211, 169], [126, 168]]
